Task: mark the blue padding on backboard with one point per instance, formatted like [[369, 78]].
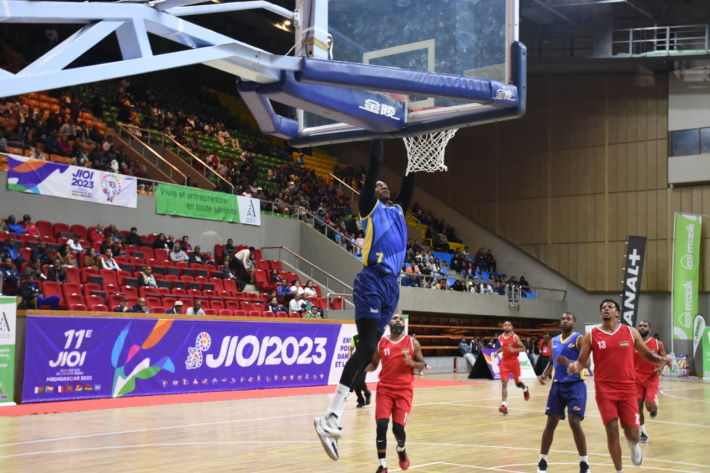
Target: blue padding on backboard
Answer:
[[362, 108], [403, 81], [266, 118]]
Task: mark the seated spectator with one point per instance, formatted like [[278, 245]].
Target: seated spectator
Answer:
[[66, 256], [274, 276], [223, 137], [74, 244], [3, 227], [146, 278], [480, 260], [359, 242], [34, 269], [175, 309], [107, 261], [490, 261], [466, 351], [297, 304], [40, 252], [178, 255], [524, 284], [309, 290], [14, 227], [32, 298], [209, 259], [185, 244], [10, 277], [170, 241], [283, 290], [96, 235], [30, 228], [312, 313], [456, 261], [140, 307], [274, 306], [196, 308], [57, 272], [122, 305], [485, 288], [295, 287], [10, 249], [229, 248], [226, 272], [91, 260], [161, 243], [133, 238], [196, 256]]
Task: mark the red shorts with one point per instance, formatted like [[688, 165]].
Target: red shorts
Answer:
[[617, 403], [647, 390], [395, 402], [510, 366]]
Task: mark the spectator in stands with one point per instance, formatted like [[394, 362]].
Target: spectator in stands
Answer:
[[178, 255], [185, 244], [96, 235], [30, 228], [457, 261], [209, 259], [243, 264], [108, 243], [66, 256], [74, 243], [141, 308], [309, 290], [175, 309], [31, 294], [107, 261], [196, 308], [35, 269], [480, 260], [226, 272], [146, 278], [295, 288], [40, 252], [224, 137], [545, 353], [513, 281], [490, 261], [112, 231], [486, 288], [122, 305], [133, 238], [51, 143], [229, 248], [57, 272], [161, 242], [297, 304], [3, 227], [196, 256], [312, 313], [14, 227], [195, 142], [274, 306], [10, 277], [11, 250], [466, 351], [3, 141], [283, 289], [524, 284], [91, 260]]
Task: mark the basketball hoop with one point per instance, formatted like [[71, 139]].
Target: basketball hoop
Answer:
[[426, 152]]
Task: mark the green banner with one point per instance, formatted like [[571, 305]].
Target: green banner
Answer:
[[8, 306], [196, 203], [705, 350], [686, 267]]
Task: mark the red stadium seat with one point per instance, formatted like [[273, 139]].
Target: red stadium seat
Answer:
[[45, 228], [267, 313], [275, 264], [58, 228], [217, 304], [281, 314], [255, 313], [232, 305], [80, 229], [99, 308], [337, 303], [73, 299], [240, 313], [210, 311], [294, 315], [226, 312], [78, 308], [53, 288]]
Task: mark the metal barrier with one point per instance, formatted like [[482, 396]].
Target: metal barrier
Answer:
[[665, 40], [125, 132]]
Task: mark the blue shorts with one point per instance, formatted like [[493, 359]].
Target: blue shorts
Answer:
[[570, 395], [375, 295]]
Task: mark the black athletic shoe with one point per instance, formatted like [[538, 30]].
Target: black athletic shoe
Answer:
[[654, 413], [542, 466], [381, 469], [368, 395], [643, 438], [584, 467]]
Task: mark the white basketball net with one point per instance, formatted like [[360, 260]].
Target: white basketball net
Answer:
[[426, 152]]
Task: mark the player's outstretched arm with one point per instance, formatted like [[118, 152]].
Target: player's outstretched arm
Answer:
[[406, 192], [584, 351], [645, 353], [367, 200]]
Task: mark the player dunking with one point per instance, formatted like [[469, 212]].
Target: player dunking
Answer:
[[376, 290], [401, 355], [568, 390], [510, 346], [647, 377], [613, 345]]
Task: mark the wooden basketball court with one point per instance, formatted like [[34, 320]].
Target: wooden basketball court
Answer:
[[454, 428]]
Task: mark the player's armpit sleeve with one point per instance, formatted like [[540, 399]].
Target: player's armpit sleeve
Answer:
[[368, 200], [406, 192]]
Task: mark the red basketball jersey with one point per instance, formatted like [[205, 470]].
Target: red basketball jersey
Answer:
[[644, 369], [395, 372], [614, 357], [504, 342]]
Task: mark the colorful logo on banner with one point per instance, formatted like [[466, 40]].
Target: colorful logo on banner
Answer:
[[71, 358], [70, 182], [209, 205], [7, 350], [705, 351], [526, 369], [686, 269]]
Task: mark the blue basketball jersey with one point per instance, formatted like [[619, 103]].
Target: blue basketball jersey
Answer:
[[566, 348], [385, 238]]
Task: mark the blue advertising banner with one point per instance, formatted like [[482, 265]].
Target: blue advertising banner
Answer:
[[72, 358]]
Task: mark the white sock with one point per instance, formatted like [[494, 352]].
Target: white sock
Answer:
[[505, 404], [643, 429], [340, 398], [400, 449], [383, 462], [543, 457], [619, 471], [584, 459]]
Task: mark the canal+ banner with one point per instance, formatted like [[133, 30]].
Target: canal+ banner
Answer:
[[35, 176], [90, 357]]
